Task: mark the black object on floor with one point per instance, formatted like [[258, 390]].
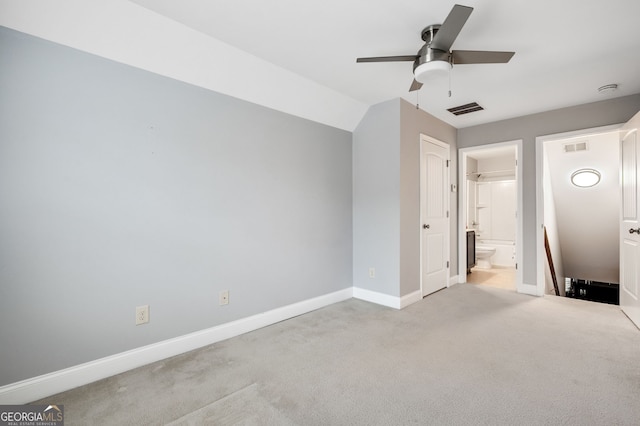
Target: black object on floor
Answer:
[[594, 291]]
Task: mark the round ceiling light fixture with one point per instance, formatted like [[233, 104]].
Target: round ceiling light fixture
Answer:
[[585, 178], [425, 71]]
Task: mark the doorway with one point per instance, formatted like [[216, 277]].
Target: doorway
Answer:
[[581, 221], [490, 219], [434, 215]]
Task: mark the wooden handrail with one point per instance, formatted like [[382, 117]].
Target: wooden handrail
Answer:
[[550, 260]]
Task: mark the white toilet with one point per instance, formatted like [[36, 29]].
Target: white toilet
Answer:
[[483, 256]]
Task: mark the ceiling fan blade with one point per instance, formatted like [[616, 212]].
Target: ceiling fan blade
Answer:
[[389, 58], [451, 27], [481, 57], [416, 85]]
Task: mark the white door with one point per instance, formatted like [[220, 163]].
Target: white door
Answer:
[[630, 221], [434, 211]]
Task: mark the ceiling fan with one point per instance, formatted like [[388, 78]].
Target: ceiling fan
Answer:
[[436, 55]]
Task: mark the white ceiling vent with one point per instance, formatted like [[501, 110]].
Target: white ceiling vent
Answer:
[[574, 147]]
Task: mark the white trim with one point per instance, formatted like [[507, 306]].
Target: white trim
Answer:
[[530, 289], [454, 280], [540, 142], [521, 287], [377, 298], [447, 184], [410, 299], [387, 300], [58, 381]]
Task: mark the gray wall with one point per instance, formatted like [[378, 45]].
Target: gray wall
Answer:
[[121, 188], [376, 199], [414, 122], [528, 128], [386, 195]]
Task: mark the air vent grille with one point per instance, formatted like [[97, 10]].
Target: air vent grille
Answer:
[[465, 109], [575, 146]]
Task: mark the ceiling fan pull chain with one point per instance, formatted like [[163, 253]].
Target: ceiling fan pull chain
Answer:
[[417, 99], [450, 72]]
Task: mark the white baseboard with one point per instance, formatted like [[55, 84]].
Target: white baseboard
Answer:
[[385, 299], [454, 280], [42, 386], [410, 299], [375, 297], [530, 289]]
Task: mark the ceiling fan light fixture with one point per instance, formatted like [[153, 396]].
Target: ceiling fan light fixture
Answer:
[[428, 70], [585, 178]]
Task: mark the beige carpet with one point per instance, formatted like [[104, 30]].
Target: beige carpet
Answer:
[[467, 355]]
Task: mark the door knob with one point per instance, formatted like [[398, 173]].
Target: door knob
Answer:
[[637, 231], [425, 226]]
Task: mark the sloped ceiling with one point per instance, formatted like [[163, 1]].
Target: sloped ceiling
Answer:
[[299, 56], [565, 49], [587, 218]]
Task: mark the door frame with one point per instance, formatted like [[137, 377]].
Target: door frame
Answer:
[[540, 144], [462, 209], [447, 184]]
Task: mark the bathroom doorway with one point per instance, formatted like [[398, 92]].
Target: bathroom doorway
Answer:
[[490, 231]]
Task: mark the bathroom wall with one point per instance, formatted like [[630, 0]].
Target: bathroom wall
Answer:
[[496, 206], [497, 168], [492, 199]]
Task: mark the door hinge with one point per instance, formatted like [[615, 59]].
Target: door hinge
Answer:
[[447, 263], [447, 163], [516, 266], [447, 213]]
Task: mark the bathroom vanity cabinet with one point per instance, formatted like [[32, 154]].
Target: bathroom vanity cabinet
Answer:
[[471, 250]]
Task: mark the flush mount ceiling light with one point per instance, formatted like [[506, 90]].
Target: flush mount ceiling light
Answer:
[[585, 178]]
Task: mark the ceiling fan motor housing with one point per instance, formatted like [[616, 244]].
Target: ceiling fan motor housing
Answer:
[[429, 32], [427, 54]]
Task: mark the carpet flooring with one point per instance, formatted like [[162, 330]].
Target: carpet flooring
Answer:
[[467, 355]]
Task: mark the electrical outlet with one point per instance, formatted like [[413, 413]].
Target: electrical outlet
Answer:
[[372, 272], [224, 297], [142, 314]]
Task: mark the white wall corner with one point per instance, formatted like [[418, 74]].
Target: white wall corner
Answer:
[[42, 386]]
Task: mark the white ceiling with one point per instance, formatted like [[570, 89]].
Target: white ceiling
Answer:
[[564, 49]]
